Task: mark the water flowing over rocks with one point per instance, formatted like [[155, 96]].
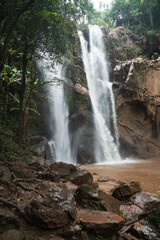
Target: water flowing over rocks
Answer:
[[49, 208]]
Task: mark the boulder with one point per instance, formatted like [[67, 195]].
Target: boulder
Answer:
[[146, 201], [142, 230], [130, 211], [21, 170], [100, 222], [64, 170], [39, 144], [81, 90], [11, 235], [81, 177], [89, 196], [124, 190], [54, 208], [8, 218]]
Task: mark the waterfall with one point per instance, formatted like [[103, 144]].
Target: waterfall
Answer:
[[101, 95], [58, 115]]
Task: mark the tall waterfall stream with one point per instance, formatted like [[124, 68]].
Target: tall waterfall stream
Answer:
[[101, 95], [58, 116], [102, 99]]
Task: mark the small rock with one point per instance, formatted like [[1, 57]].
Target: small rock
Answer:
[[95, 173], [105, 179], [100, 222]]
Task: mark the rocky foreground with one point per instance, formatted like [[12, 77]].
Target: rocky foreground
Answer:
[[45, 201]]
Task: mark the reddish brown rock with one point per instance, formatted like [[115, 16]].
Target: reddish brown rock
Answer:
[[100, 222]]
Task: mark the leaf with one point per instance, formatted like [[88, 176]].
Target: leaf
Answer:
[[31, 109]]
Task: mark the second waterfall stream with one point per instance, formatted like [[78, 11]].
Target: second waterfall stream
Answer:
[[101, 95]]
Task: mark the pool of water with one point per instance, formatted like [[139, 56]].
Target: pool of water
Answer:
[[147, 172]]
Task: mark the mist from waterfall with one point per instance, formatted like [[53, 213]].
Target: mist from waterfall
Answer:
[[58, 115], [101, 95]]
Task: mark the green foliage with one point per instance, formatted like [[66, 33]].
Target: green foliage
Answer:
[[10, 150], [121, 212], [138, 15], [99, 21]]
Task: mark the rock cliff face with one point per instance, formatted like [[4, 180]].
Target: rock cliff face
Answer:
[[138, 106], [137, 91]]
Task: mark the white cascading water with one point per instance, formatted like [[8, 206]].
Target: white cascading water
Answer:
[[101, 95], [58, 116]]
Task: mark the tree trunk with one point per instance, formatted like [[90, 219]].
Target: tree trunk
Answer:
[[22, 93], [151, 17], [6, 101]]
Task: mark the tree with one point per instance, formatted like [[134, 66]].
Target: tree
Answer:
[[48, 25]]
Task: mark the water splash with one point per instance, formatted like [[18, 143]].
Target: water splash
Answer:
[[101, 95]]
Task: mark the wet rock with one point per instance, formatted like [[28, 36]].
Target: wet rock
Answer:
[[40, 144], [146, 201], [82, 177], [89, 196], [63, 169], [29, 235], [56, 238], [52, 209], [130, 211], [153, 220], [123, 191], [8, 219], [127, 236], [22, 170], [6, 173], [100, 222], [105, 179], [80, 89], [135, 187], [11, 235], [142, 230]]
